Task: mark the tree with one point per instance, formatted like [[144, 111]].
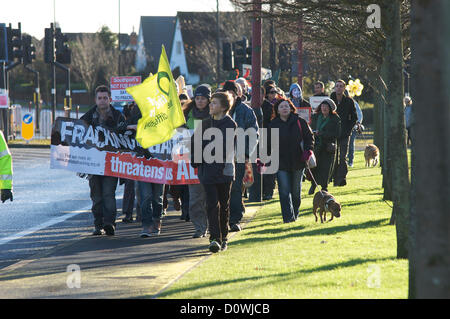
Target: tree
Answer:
[[429, 263], [85, 59], [344, 25], [108, 38], [92, 62]]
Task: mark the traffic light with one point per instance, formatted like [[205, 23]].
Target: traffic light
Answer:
[[14, 43], [284, 57], [29, 50], [227, 56], [49, 46], [240, 52], [3, 43], [63, 53], [248, 55]]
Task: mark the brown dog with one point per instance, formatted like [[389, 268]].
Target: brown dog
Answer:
[[372, 155], [326, 203]]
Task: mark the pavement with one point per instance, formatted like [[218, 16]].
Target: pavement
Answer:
[[110, 267]]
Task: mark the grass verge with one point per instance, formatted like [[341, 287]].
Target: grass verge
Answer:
[[350, 257]]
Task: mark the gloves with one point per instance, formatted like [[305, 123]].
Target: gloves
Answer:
[[84, 175], [6, 194], [306, 155], [122, 127]]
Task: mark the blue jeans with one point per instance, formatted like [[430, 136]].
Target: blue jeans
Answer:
[[290, 189], [236, 203], [151, 202], [351, 147], [103, 195]]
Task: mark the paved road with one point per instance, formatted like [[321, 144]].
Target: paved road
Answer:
[[46, 230], [49, 207]]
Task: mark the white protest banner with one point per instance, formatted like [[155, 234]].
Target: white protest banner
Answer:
[[82, 148], [247, 72], [304, 113], [119, 85], [316, 100], [190, 91]]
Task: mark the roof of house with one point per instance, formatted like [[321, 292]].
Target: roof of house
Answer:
[[158, 31], [199, 32]]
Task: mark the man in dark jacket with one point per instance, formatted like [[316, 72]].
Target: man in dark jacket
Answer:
[[347, 112], [103, 188], [245, 118], [319, 89]]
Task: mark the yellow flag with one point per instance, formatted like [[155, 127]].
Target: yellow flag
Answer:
[[157, 99]]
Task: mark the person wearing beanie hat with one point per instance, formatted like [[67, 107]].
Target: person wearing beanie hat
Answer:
[[326, 126], [204, 91], [196, 111], [230, 86], [245, 118]]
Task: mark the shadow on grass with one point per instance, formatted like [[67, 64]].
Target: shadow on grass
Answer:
[[275, 278], [314, 232]]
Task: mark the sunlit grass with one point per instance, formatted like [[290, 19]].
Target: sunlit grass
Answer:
[[351, 257]]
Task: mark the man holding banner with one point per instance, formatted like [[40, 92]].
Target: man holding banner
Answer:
[[103, 188]]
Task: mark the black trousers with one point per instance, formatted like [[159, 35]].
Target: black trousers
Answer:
[[218, 210], [340, 166]]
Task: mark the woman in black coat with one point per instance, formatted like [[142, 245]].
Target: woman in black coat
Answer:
[[326, 125], [293, 130]]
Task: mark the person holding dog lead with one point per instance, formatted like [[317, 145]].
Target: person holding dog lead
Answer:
[[326, 125], [293, 130]]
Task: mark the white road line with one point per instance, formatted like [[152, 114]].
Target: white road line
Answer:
[[34, 229]]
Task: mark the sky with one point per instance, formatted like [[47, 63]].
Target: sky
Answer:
[[91, 15]]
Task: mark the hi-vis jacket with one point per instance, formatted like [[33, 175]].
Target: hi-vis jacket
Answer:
[[5, 164]]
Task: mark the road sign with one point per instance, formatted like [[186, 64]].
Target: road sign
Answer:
[[118, 86], [27, 126]]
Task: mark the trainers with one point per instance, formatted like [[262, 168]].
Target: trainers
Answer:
[[127, 219], [214, 246], [155, 230], [350, 164], [224, 245], [109, 230], [177, 204], [235, 227], [199, 234], [98, 232], [145, 232]]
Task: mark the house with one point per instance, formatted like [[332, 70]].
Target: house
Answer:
[[190, 40], [153, 33]]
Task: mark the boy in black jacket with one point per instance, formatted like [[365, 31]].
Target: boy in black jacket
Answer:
[[217, 174]]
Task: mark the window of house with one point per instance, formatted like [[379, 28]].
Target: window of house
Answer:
[[178, 47]]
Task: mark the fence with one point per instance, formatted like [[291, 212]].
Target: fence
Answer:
[[45, 121]]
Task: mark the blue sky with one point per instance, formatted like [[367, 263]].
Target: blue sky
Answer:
[[90, 15]]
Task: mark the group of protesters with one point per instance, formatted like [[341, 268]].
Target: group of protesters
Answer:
[[216, 204]]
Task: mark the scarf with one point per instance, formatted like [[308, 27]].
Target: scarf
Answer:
[[321, 122], [200, 114]]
